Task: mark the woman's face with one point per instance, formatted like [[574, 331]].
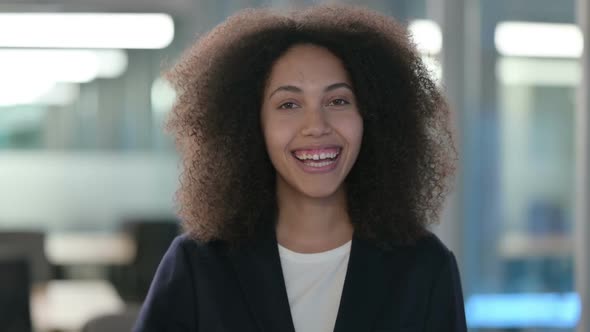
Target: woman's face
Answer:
[[310, 121]]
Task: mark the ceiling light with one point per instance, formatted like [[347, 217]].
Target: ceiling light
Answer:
[[539, 39], [538, 72], [21, 92], [427, 36], [162, 96], [59, 65], [86, 30], [39, 93]]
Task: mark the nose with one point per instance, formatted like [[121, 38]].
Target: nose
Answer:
[[315, 123]]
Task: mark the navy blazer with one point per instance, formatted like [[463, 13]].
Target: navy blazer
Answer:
[[204, 288]]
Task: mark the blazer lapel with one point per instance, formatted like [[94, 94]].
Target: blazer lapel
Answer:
[[261, 278], [368, 283]]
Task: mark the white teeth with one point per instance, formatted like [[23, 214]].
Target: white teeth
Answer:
[[320, 164], [320, 156]]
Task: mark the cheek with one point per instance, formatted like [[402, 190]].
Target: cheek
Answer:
[[351, 128], [277, 135]]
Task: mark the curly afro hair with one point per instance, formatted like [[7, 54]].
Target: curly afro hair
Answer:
[[227, 191]]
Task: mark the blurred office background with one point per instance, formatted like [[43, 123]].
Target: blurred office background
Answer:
[[87, 175]]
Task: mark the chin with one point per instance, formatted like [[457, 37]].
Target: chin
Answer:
[[318, 192]]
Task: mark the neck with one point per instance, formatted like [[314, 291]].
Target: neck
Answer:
[[308, 224]]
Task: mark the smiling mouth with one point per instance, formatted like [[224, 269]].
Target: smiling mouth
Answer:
[[318, 158]]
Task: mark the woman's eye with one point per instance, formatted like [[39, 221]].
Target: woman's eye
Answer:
[[338, 102], [288, 105]]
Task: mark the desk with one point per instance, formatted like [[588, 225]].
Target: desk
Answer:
[[89, 249], [66, 305]]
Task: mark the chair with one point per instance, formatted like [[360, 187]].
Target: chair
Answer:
[[30, 246], [122, 322], [152, 238], [14, 296]]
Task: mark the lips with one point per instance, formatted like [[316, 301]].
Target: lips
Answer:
[[318, 159], [317, 153]]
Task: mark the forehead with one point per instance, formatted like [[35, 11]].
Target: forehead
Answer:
[[307, 63]]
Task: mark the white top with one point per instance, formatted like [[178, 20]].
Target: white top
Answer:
[[314, 286]]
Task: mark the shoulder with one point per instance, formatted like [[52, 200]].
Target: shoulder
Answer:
[[436, 267], [430, 246], [183, 259], [428, 253], [172, 299], [194, 252], [183, 242], [176, 264]]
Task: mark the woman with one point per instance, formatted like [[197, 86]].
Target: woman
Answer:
[[316, 151]]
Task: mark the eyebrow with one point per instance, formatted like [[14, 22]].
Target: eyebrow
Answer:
[[295, 89]]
